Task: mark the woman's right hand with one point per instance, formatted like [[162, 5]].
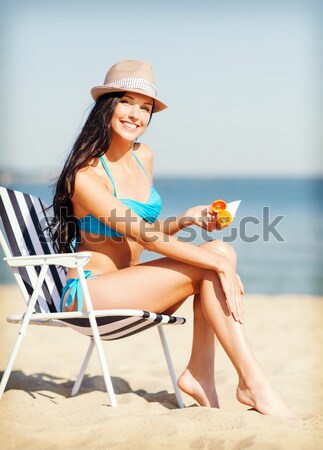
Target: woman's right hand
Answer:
[[204, 217], [233, 290]]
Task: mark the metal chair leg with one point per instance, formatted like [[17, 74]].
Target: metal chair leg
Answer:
[[85, 363], [170, 367]]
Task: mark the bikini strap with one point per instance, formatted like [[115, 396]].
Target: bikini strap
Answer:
[[104, 164], [137, 159]]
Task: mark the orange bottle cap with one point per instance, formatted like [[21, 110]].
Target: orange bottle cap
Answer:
[[218, 205], [224, 218]]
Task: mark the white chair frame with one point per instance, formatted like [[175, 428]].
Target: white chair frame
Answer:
[[76, 260]]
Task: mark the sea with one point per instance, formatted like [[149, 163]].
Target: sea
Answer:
[[277, 232]]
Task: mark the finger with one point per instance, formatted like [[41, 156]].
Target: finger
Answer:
[[241, 311], [212, 214], [241, 285], [238, 303], [234, 308], [209, 225], [212, 224], [228, 291], [203, 222], [228, 304], [242, 308], [241, 290], [238, 313], [227, 301], [235, 315]]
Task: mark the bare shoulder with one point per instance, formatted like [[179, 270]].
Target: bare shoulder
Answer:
[[87, 177], [90, 190], [145, 154], [84, 175]]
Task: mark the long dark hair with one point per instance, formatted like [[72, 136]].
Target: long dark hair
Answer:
[[92, 142]]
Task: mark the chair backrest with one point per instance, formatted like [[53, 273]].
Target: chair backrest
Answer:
[[24, 220]]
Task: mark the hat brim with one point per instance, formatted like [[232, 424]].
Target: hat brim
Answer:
[[97, 91]]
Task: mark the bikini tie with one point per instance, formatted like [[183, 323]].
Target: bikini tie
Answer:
[[74, 284]]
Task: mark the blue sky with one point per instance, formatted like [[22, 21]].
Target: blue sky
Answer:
[[242, 81]]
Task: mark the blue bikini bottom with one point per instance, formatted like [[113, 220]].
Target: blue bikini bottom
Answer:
[[74, 285]]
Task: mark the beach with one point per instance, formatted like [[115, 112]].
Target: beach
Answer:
[[37, 411]]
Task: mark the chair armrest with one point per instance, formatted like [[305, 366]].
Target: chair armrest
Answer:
[[62, 259]]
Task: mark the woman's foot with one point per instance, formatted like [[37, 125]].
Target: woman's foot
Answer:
[[264, 400], [200, 389]]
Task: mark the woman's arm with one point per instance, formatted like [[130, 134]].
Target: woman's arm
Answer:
[[91, 196], [172, 225], [94, 197], [198, 215]]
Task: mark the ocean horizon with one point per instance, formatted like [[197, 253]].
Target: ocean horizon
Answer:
[[277, 232]]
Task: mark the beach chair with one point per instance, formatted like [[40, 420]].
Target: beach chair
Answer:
[[40, 275]]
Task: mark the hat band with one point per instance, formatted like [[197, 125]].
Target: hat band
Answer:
[[134, 83]]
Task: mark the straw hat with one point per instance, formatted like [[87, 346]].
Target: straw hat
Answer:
[[130, 76]]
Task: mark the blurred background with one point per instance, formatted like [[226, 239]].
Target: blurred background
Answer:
[[244, 89]]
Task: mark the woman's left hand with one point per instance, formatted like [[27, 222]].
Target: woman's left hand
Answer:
[[204, 217]]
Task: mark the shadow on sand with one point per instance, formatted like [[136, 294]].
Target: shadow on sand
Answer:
[[44, 383]]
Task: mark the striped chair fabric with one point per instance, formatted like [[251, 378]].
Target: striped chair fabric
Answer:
[[25, 219]]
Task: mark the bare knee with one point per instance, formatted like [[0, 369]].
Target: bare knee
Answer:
[[222, 248]]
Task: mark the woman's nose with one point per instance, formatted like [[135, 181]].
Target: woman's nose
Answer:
[[134, 111]]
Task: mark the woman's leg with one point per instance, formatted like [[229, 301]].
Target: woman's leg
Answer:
[[169, 282], [254, 388], [201, 364], [197, 380]]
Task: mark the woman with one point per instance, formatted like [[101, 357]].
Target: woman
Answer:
[[105, 202]]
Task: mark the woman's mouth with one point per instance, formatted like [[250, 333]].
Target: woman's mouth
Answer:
[[129, 125]]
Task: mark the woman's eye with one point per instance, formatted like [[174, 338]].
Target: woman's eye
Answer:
[[125, 102], [145, 108]]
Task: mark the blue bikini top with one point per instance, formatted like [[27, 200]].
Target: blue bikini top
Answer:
[[149, 211]]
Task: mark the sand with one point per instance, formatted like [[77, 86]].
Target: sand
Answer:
[[37, 412]]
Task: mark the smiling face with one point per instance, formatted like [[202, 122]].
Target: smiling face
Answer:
[[131, 116]]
